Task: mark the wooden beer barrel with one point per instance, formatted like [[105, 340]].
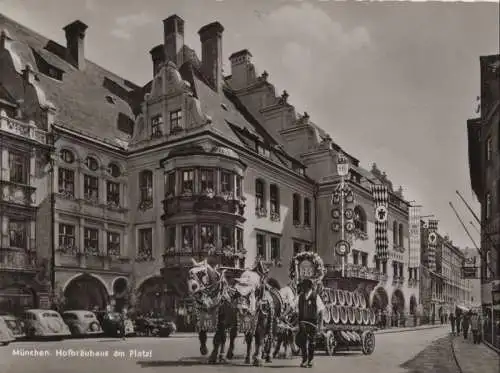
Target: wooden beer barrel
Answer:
[[356, 299], [341, 297], [333, 296], [348, 298], [343, 315], [366, 316], [350, 315], [335, 313], [325, 296], [362, 300], [358, 316], [327, 317], [373, 317]]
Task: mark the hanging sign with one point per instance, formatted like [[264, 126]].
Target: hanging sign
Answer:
[[342, 248], [381, 213]]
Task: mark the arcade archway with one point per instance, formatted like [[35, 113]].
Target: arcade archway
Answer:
[[153, 296], [398, 301], [380, 299], [15, 299], [85, 293], [413, 305], [120, 293]]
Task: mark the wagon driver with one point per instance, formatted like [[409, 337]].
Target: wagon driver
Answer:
[[311, 308]]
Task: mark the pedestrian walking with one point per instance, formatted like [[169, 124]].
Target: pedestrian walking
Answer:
[[458, 321], [465, 324], [311, 308], [452, 322], [475, 324], [122, 322]]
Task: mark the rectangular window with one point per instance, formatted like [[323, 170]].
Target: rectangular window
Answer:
[[238, 186], [113, 248], [170, 187], [297, 247], [274, 199], [355, 257], [364, 259], [91, 188], [66, 182], [384, 267], [307, 212], [66, 237], [146, 186], [145, 251], [275, 248], [171, 237], [187, 181], [239, 239], [395, 272], [18, 233], [259, 195], [488, 206], [296, 209], [207, 180], [18, 165], [207, 235], [226, 235], [91, 241], [157, 126], [113, 193], [261, 246], [187, 232], [175, 120], [226, 183], [401, 269]]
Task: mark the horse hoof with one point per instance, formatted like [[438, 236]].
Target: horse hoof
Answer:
[[247, 360], [212, 361], [203, 350], [268, 360]]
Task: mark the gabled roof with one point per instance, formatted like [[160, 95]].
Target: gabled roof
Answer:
[[92, 100]]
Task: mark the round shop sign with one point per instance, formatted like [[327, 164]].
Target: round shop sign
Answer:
[[432, 237], [342, 248], [335, 227], [381, 214], [349, 226], [335, 213], [335, 198], [349, 214]]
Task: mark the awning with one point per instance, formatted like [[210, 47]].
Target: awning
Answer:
[[462, 308]]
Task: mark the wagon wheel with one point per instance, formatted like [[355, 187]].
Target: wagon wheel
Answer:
[[330, 343], [368, 342]]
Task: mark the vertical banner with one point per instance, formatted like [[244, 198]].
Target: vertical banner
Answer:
[[432, 238], [380, 195], [415, 214]]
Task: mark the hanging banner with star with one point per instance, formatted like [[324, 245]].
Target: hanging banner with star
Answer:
[[380, 195], [415, 235], [432, 240]]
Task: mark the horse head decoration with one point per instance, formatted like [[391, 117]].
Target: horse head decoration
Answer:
[[205, 284]]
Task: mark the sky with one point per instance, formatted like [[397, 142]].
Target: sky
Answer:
[[392, 83]]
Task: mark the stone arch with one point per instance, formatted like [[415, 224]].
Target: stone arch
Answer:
[[379, 299], [116, 285], [152, 295], [97, 277], [413, 305], [398, 301], [86, 291]]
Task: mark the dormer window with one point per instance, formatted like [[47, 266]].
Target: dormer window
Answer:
[[92, 163], [67, 156], [263, 151], [175, 120], [157, 126]]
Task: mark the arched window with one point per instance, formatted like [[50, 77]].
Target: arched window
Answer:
[[146, 188], [395, 233], [401, 235], [260, 196], [360, 219]]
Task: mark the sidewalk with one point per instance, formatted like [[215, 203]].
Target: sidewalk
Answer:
[[475, 358]]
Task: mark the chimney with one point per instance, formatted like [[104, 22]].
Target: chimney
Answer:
[[158, 57], [173, 39], [75, 36], [211, 53], [241, 68]]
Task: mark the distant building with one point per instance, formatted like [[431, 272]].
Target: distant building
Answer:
[[484, 166], [193, 164]]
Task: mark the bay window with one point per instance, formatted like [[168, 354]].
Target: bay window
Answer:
[[207, 180], [207, 235], [187, 232], [18, 233], [226, 235], [187, 181], [226, 184]]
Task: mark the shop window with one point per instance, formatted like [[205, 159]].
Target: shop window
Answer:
[[18, 233]]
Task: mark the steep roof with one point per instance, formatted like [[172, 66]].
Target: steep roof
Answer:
[[93, 101]]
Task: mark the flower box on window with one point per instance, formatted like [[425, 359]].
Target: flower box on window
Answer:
[[144, 256], [275, 216], [296, 223], [91, 251], [261, 212], [227, 196], [67, 249], [146, 204], [209, 193], [66, 194], [176, 129], [91, 198]]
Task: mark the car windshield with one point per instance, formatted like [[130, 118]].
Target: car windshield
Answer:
[[89, 316], [50, 314]]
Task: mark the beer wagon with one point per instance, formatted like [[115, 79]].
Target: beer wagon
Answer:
[[349, 323]]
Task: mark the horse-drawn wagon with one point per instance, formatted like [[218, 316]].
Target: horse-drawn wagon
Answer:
[[348, 322]]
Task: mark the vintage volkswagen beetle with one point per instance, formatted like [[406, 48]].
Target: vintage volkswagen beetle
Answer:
[[45, 324], [82, 323], [15, 325], [154, 327], [6, 335], [111, 323]]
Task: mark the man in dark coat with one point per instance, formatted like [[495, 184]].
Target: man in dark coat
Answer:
[[311, 308], [452, 322]]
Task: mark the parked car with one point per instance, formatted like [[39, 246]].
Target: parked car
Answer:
[[154, 327], [82, 323], [6, 335], [15, 325], [111, 324], [44, 324]]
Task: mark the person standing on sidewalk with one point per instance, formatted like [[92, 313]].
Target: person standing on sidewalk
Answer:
[[458, 322], [475, 324], [465, 324], [452, 322]]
